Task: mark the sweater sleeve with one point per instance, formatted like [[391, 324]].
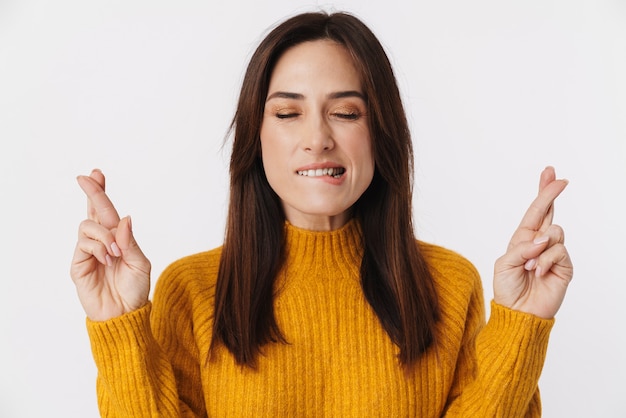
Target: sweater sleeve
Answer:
[[145, 367], [148, 360], [135, 378], [499, 364]]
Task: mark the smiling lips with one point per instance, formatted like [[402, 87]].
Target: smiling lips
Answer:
[[335, 172]]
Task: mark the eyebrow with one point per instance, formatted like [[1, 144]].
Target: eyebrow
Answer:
[[299, 96]]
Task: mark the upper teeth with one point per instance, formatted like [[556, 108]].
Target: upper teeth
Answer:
[[335, 172]]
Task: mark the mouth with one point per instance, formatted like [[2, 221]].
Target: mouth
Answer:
[[335, 172]]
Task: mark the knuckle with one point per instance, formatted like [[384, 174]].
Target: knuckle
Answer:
[[84, 224], [558, 231]]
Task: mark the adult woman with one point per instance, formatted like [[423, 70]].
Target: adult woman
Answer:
[[320, 302]]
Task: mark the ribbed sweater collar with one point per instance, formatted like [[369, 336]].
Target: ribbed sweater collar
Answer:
[[312, 253]]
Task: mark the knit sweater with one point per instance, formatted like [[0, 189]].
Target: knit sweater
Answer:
[[338, 360]]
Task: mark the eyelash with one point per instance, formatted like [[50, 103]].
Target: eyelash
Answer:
[[347, 116], [286, 115]]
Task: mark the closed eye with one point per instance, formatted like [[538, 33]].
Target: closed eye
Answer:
[[286, 115], [347, 116]]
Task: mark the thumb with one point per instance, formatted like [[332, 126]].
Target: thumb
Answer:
[[131, 253]]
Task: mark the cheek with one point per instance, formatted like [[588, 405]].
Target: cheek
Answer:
[[266, 139], [368, 163], [267, 156], [272, 156], [272, 138], [364, 155], [368, 170]]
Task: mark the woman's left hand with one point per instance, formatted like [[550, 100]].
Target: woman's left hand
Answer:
[[533, 275]]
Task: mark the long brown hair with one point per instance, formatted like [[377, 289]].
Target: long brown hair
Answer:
[[395, 278]]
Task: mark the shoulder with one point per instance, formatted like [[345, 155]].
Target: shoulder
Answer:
[[202, 263], [452, 272], [193, 274], [183, 301], [445, 260]]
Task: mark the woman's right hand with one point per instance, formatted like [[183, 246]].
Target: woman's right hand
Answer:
[[111, 273]]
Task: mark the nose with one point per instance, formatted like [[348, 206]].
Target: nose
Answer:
[[318, 136]]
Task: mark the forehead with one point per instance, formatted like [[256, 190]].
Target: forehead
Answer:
[[314, 63]]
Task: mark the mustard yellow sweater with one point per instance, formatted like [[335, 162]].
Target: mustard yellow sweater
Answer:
[[339, 362]]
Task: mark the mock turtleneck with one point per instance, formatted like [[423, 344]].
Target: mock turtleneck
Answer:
[[323, 253]]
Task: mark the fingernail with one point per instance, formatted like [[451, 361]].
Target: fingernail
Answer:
[[116, 249], [130, 224], [538, 271], [530, 264], [108, 259], [541, 240]]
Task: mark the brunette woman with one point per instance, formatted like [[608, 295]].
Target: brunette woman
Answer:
[[321, 302]]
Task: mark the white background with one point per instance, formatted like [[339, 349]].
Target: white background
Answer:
[[145, 90]]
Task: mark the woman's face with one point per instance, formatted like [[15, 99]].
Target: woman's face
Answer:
[[315, 138]]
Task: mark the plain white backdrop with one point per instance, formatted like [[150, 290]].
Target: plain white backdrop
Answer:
[[145, 90]]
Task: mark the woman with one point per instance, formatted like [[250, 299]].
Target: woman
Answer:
[[320, 302]]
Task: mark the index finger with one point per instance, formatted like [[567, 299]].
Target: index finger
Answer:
[[540, 209], [97, 175], [101, 207], [548, 175]]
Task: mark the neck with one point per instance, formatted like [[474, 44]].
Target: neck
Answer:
[[317, 222]]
